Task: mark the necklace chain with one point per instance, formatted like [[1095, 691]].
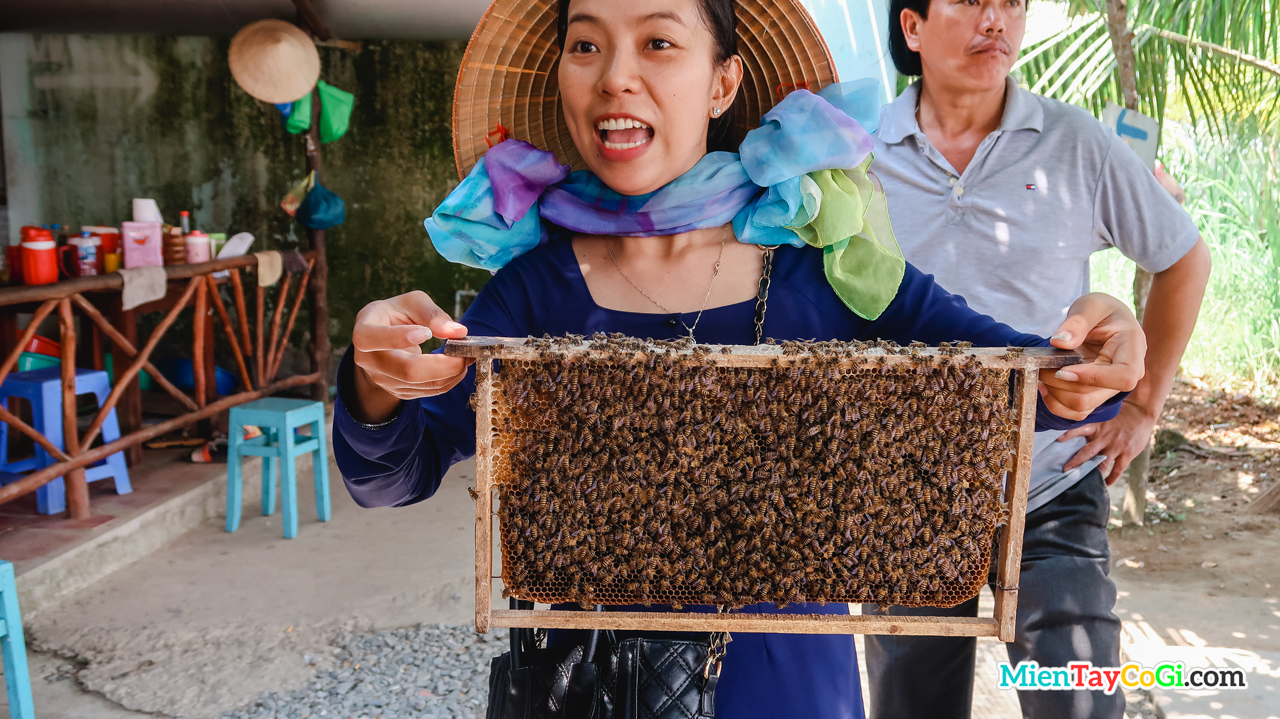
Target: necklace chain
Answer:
[[715, 271]]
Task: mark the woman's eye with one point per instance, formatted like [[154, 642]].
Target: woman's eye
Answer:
[[584, 46], [659, 44]]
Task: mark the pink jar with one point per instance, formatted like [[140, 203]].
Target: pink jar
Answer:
[[198, 247]]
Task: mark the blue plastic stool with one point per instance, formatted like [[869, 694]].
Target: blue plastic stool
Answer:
[[43, 389], [278, 417], [13, 647]]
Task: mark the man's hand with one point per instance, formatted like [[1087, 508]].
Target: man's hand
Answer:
[[390, 365], [1120, 440]]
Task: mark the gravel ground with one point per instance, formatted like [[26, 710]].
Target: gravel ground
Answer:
[[437, 672]]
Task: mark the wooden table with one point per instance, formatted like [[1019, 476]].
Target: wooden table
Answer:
[[99, 298]]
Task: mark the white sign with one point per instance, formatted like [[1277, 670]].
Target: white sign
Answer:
[[1138, 131]]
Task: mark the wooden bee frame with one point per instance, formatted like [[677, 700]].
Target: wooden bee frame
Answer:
[[1024, 365]]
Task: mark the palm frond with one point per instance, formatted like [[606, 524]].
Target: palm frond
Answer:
[[1220, 57]]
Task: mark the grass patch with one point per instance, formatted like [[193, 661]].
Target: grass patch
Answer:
[[1234, 197]]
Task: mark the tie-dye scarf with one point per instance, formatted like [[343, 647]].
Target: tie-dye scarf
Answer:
[[800, 178]]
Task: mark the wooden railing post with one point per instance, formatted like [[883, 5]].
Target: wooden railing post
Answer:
[[259, 349], [320, 349], [320, 274], [197, 344], [131, 404], [77, 487]]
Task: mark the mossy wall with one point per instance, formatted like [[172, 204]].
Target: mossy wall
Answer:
[[104, 119]]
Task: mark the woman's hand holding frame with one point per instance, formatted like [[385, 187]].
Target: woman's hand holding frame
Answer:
[[390, 364], [1105, 331]]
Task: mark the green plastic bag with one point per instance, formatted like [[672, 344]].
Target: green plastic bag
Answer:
[[335, 111], [300, 116]]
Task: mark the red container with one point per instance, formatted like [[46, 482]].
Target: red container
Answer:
[[13, 257], [43, 346], [39, 262]]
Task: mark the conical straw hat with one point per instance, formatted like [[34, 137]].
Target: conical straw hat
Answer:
[[507, 85], [274, 61]]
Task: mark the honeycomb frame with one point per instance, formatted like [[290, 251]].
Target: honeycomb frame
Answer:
[[566, 509]]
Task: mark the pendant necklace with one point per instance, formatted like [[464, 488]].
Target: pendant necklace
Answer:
[[714, 272]]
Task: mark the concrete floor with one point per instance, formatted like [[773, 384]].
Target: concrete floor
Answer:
[[214, 619]]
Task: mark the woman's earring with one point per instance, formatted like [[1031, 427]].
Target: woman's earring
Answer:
[[715, 112]]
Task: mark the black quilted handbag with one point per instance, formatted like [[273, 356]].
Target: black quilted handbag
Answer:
[[634, 678]]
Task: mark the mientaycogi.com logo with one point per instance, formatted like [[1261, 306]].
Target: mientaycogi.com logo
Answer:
[[1030, 676]]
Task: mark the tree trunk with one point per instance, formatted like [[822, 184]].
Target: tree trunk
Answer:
[[1135, 500], [313, 23], [1122, 47], [320, 350], [1267, 503]]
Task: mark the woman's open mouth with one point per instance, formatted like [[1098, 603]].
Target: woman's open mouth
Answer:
[[618, 135]]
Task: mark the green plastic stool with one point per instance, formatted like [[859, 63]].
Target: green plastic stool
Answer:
[[14, 648], [278, 417]]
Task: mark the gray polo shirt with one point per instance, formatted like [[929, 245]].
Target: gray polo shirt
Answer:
[[1013, 233]]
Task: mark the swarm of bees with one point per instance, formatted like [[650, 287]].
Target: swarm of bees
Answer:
[[642, 473]]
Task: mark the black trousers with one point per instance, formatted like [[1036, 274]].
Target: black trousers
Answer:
[[1065, 600]]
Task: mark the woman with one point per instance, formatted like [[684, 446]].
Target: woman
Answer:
[[641, 244]]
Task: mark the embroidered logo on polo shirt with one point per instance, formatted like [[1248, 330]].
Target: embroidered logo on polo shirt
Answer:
[[1031, 187]]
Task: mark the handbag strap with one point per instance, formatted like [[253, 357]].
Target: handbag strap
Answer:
[[520, 637], [595, 639], [717, 645], [762, 294], [525, 640]]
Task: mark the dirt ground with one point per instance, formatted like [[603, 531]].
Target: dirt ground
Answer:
[[1200, 581], [1200, 525]]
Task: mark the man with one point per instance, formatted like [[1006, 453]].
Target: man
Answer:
[[1004, 195]]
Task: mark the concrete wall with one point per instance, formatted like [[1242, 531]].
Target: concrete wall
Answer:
[[91, 121]]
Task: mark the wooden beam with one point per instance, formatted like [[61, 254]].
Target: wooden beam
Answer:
[[352, 45], [113, 281], [311, 18], [197, 343], [274, 369], [320, 349], [230, 332], [753, 623], [242, 315], [128, 349], [259, 348], [128, 375], [77, 485], [41, 477], [281, 301], [765, 355], [484, 494], [131, 401], [1009, 555], [41, 312], [16, 423]]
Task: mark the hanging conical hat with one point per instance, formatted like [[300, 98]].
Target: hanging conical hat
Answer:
[[274, 61], [507, 85]]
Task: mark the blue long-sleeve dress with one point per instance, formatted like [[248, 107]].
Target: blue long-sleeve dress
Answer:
[[765, 676]]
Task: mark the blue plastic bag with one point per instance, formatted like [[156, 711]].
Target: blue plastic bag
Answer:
[[321, 209]]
